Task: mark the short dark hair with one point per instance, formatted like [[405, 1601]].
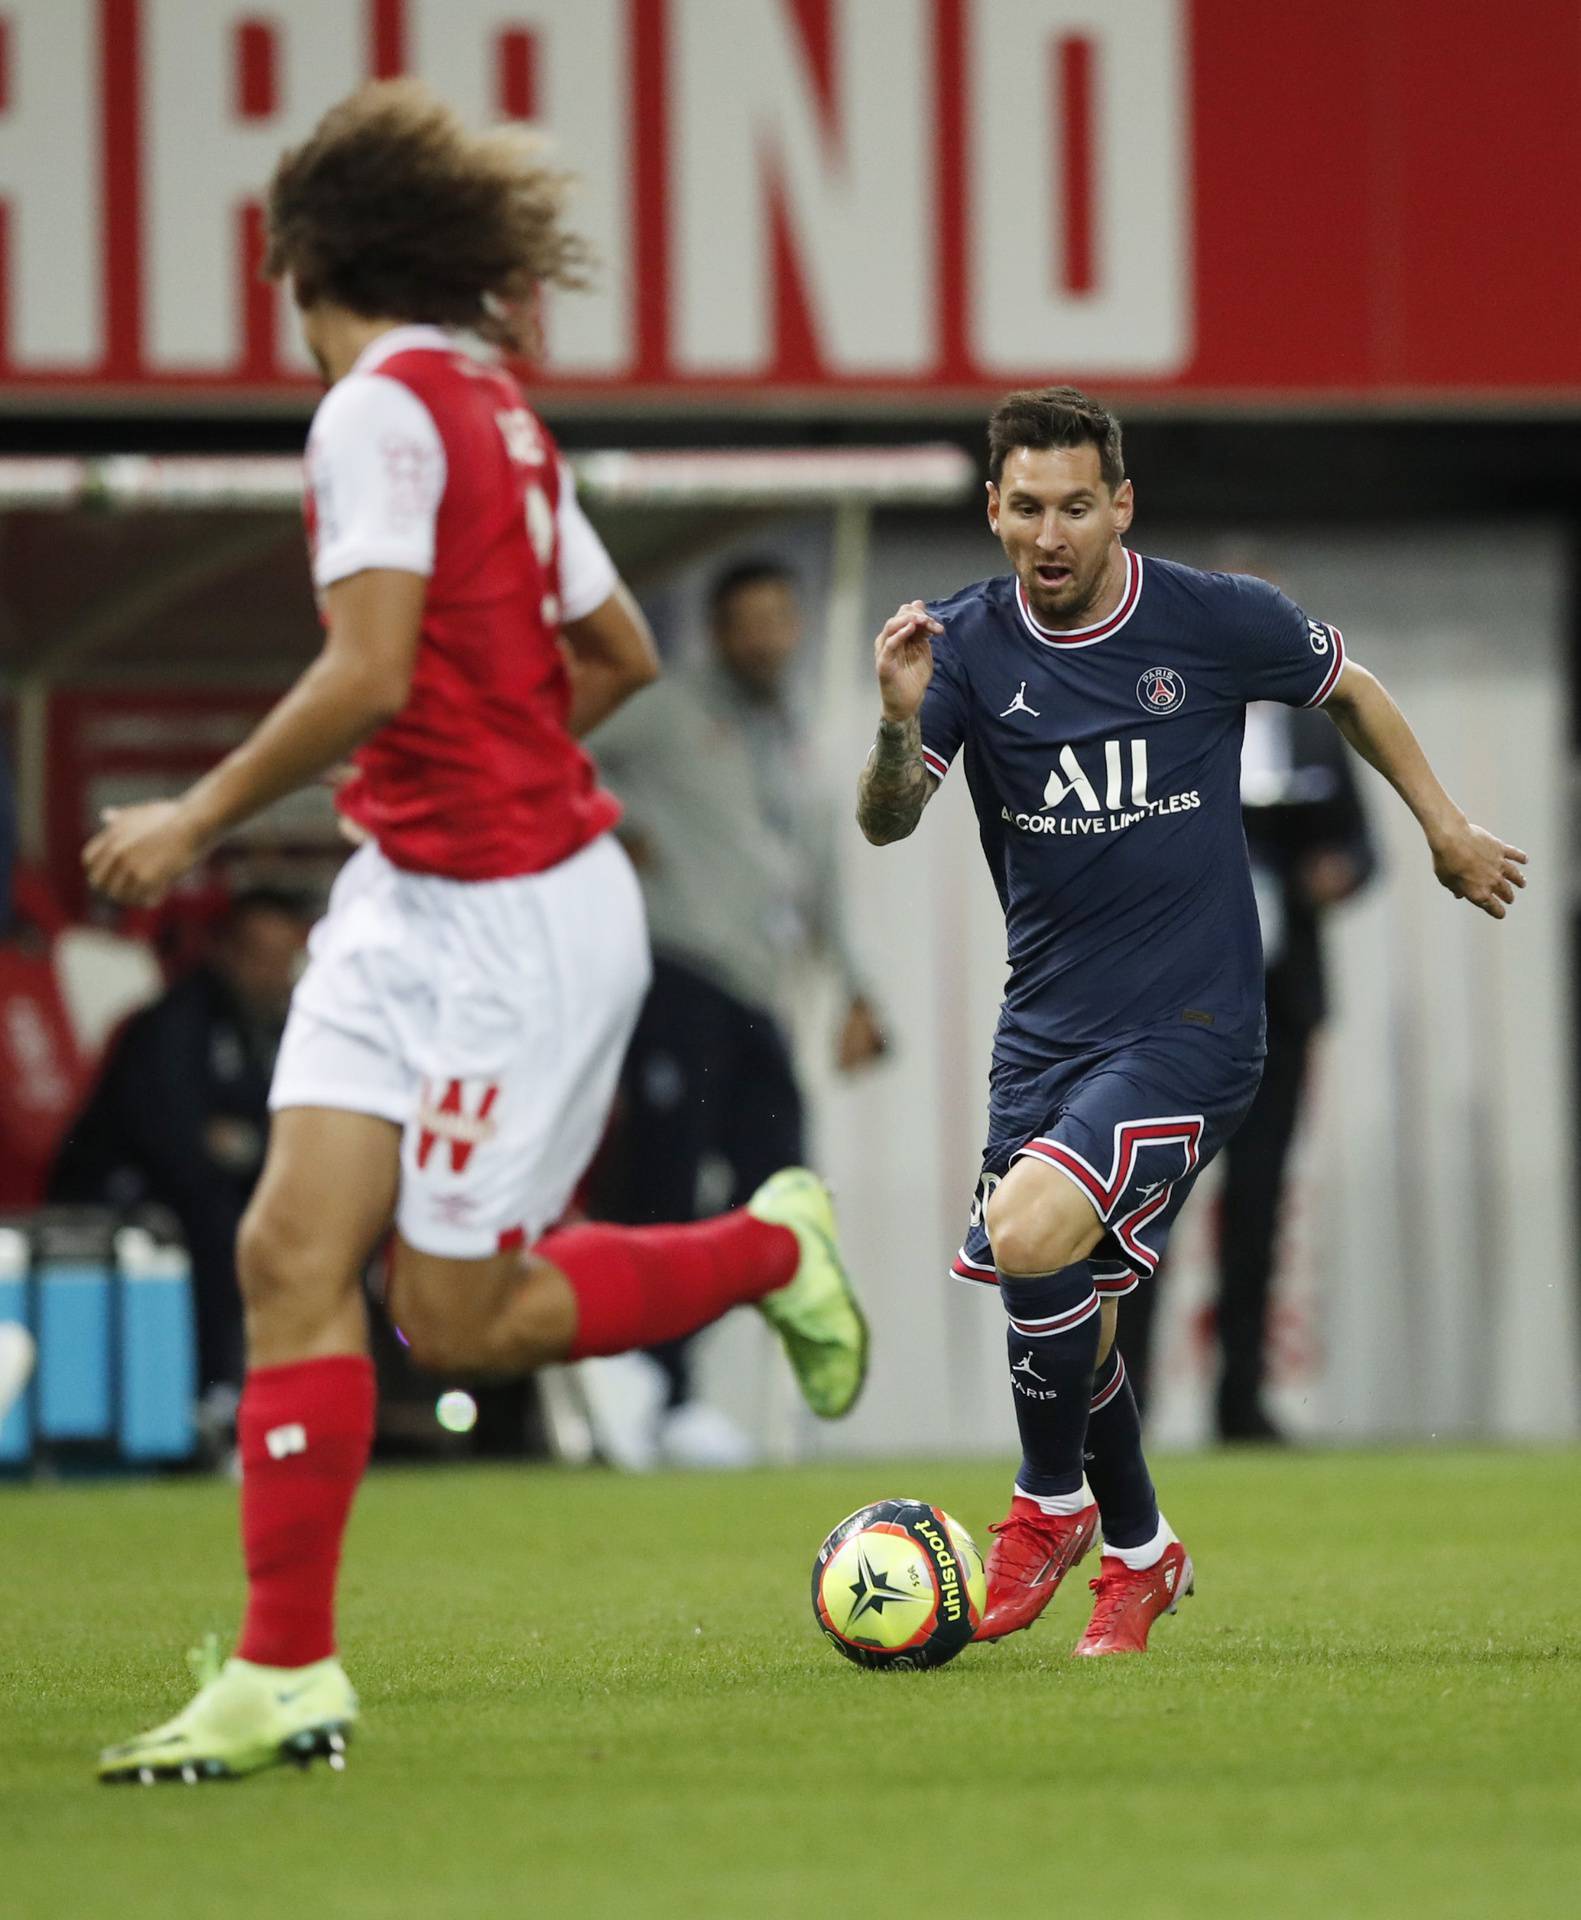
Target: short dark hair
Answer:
[[285, 901], [392, 209], [747, 573], [1041, 417]]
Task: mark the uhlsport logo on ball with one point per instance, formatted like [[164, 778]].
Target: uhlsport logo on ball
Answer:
[[899, 1584]]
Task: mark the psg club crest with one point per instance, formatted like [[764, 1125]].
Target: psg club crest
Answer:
[[1160, 690]]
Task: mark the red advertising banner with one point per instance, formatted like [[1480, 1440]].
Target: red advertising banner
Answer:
[[846, 200]]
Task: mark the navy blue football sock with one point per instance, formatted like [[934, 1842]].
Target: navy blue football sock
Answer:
[[1116, 1470], [1053, 1343]]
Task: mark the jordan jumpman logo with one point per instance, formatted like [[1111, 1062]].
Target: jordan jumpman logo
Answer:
[[1019, 704]]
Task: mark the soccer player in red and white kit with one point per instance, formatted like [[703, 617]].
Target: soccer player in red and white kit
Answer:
[[454, 1043]]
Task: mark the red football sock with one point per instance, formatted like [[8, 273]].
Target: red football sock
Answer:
[[640, 1286], [305, 1431]]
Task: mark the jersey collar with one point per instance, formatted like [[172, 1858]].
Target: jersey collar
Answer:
[[385, 346], [1088, 636]]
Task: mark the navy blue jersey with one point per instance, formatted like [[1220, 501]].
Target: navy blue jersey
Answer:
[[1104, 765]]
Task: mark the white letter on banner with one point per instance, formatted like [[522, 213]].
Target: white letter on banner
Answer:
[[51, 145], [205, 163], [1135, 317], [746, 114], [580, 64]]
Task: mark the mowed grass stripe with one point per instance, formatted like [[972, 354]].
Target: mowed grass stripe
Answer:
[[588, 1695]]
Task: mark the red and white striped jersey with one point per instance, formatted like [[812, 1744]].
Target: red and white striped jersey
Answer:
[[427, 460]]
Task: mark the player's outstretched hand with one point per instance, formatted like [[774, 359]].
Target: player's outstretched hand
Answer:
[[1477, 866], [903, 656], [139, 852]]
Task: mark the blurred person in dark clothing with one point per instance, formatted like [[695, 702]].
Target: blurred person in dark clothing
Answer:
[[7, 842], [1310, 849], [734, 841], [179, 1114]]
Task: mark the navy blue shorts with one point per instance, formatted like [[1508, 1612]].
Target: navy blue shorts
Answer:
[[1131, 1126]]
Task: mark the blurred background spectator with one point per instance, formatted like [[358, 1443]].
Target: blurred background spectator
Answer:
[[735, 842], [179, 1117]]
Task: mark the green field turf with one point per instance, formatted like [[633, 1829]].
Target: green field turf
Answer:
[[590, 1696]]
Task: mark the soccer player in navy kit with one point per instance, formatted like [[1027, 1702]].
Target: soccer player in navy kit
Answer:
[[1096, 699]]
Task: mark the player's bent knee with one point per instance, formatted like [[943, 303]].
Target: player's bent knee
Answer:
[[437, 1347], [430, 1307], [293, 1286], [440, 1342], [1019, 1247], [276, 1260], [543, 1315], [495, 1316], [1030, 1238]]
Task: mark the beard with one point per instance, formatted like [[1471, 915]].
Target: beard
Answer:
[[1075, 597]]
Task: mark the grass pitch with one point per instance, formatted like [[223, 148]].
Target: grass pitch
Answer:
[[590, 1696]]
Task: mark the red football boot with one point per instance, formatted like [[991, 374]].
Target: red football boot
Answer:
[[1033, 1551], [1129, 1601]]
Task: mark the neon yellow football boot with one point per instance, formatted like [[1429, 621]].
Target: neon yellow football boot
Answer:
[[815, 1313], [243, 1717]]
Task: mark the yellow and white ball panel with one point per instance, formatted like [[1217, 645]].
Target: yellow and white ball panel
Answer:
[[880, 1589]]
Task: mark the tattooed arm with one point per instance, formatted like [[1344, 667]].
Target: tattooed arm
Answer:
[[895, 785]]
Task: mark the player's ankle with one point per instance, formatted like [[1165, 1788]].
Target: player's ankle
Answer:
[[1058, 1505], [1148, 1552]]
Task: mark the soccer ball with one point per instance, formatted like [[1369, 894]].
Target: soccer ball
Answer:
[[899, 1584]]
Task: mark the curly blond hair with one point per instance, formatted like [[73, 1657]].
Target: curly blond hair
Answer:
[[392, 209]]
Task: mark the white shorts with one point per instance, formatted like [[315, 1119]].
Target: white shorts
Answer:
[[487, 1019]]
